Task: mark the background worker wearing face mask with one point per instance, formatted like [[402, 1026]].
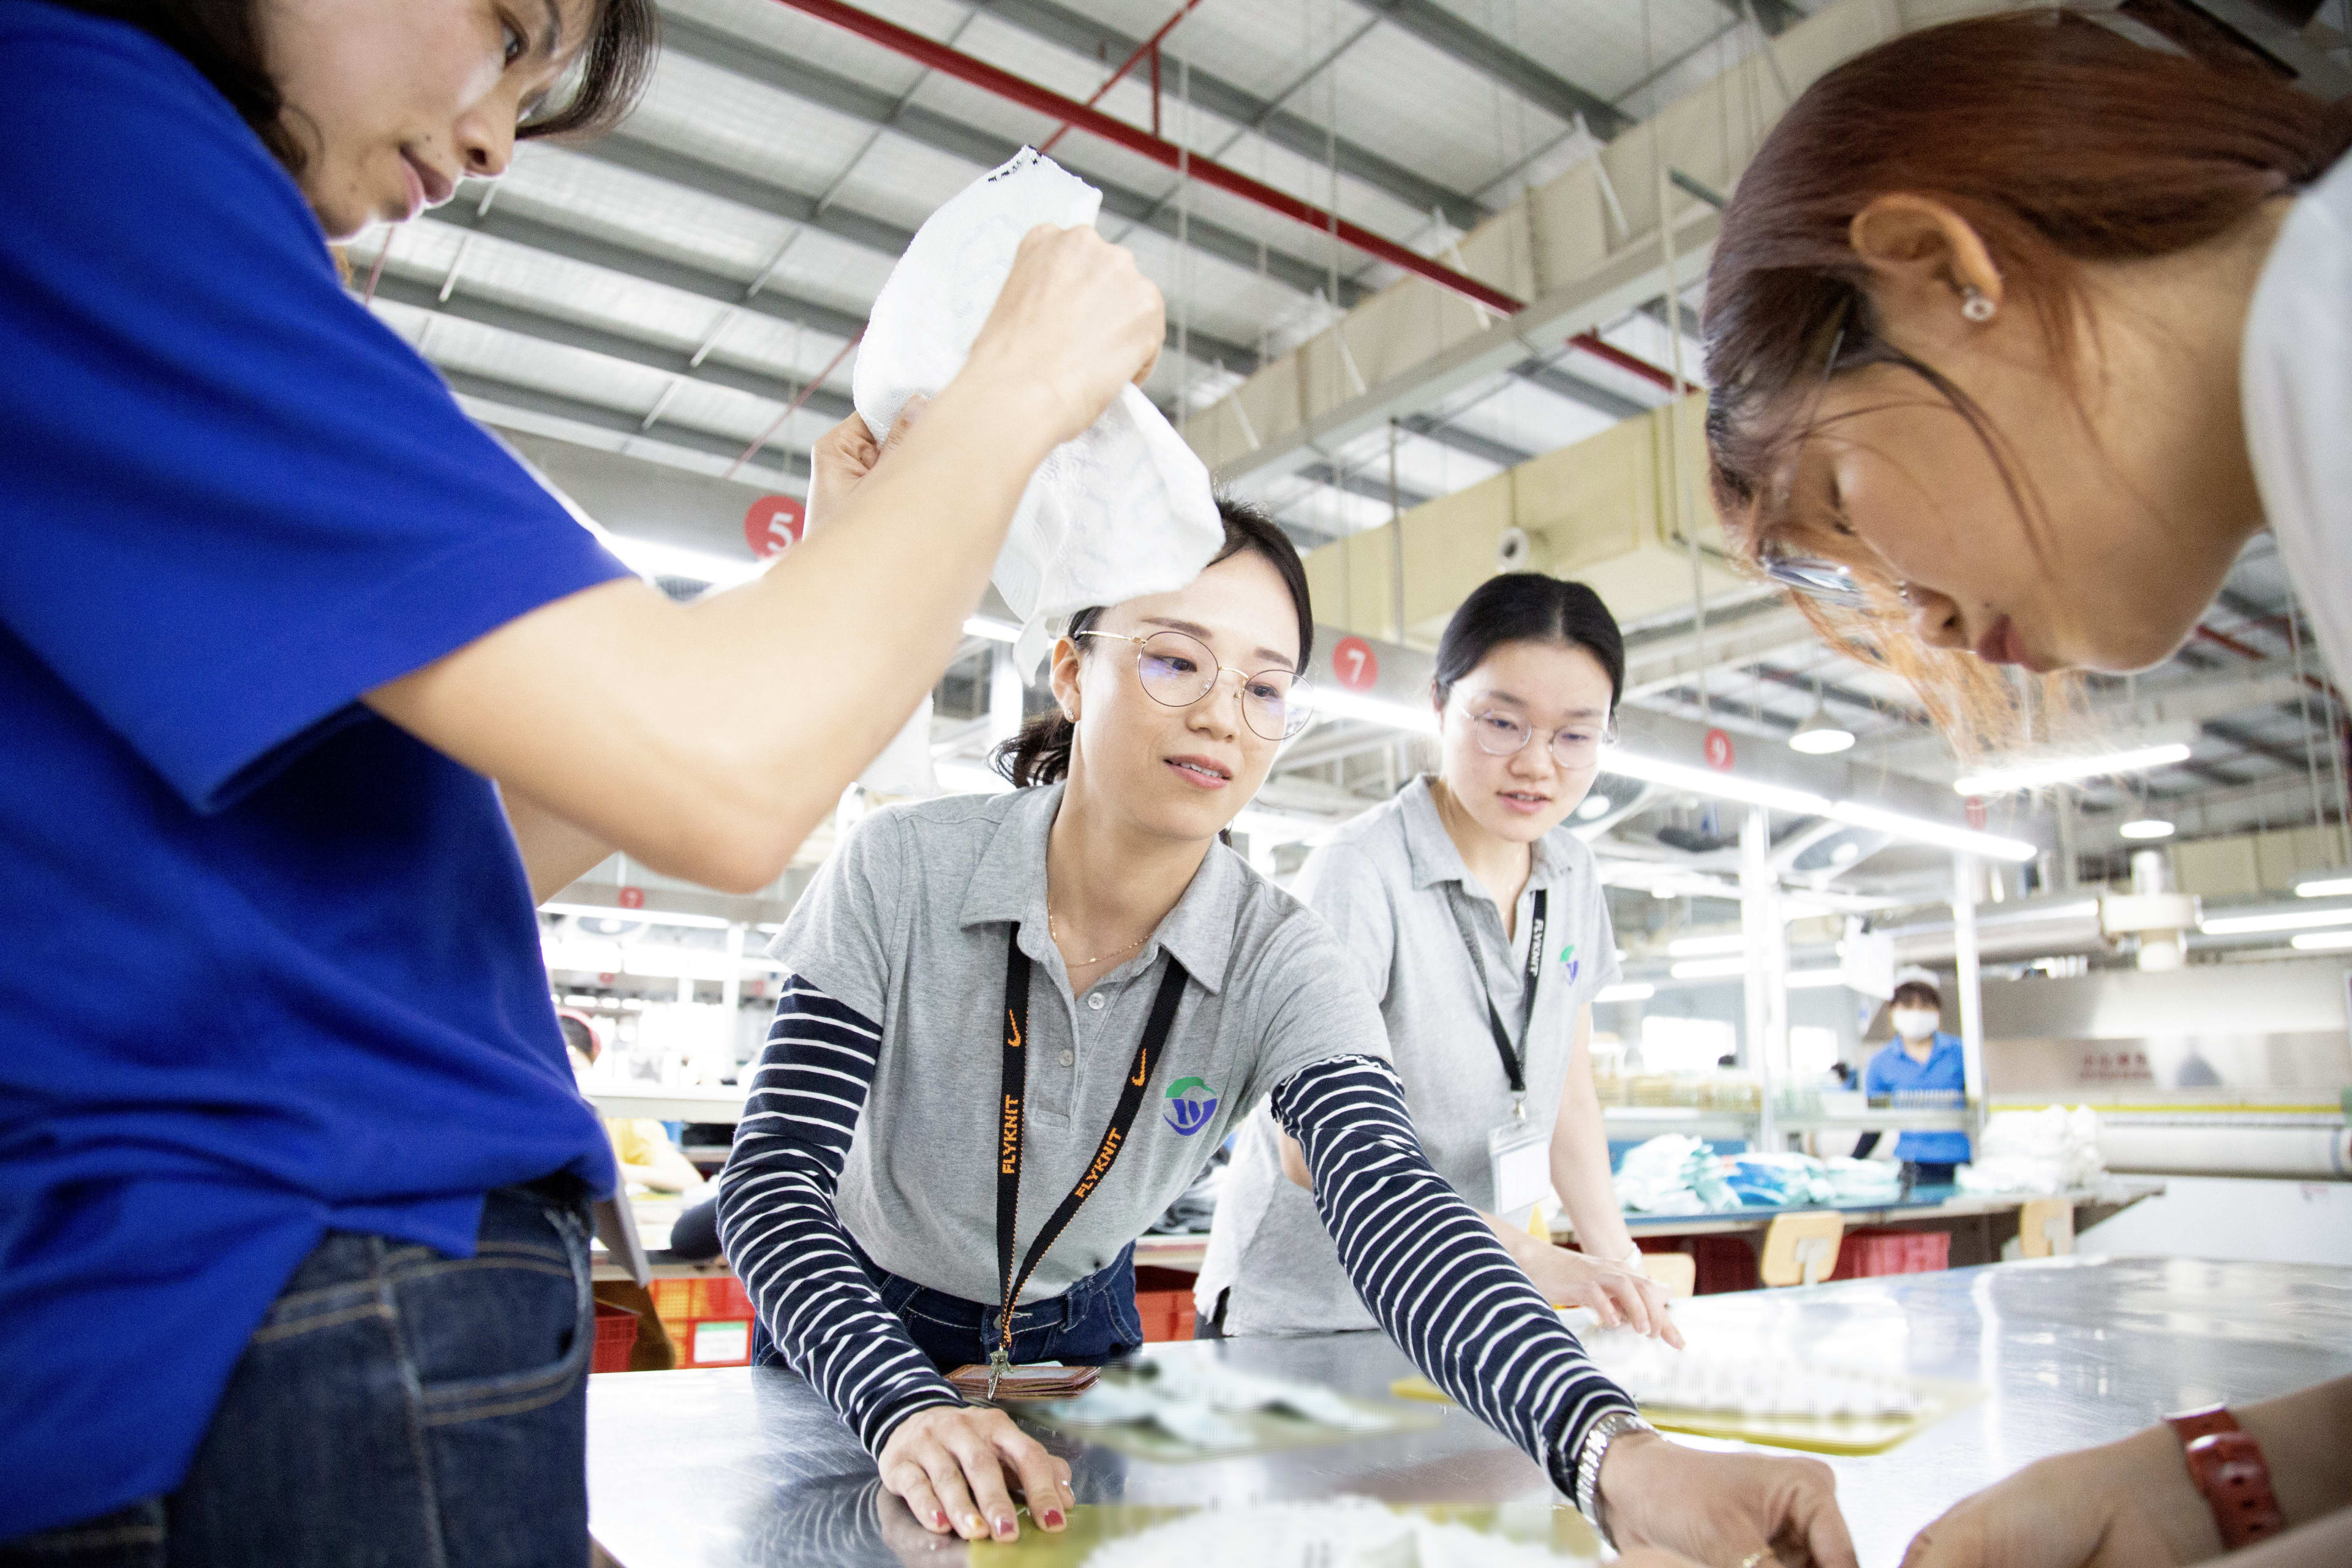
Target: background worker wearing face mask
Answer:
[[1920, 1060]]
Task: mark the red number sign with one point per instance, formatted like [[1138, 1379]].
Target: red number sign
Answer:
[[633, 897], [1718, 751], [1976, 811], [773, 525], [1354, 664]]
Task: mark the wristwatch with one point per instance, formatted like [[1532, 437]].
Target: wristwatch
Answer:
[[2229, 1470], [1597, 1438]]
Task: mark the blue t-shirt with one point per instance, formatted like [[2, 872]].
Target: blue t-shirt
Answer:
[[267, 963], [1944, 1072]]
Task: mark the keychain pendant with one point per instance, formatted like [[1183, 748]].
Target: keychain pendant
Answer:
[[1518, 1108], [998, 1363]]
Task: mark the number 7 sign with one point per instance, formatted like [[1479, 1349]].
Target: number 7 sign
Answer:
[[1354, 665]]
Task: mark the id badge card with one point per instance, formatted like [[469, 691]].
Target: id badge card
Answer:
[[1518, 1158]]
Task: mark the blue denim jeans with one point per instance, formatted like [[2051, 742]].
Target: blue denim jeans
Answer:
[[1093, 1321], [397, 1407]]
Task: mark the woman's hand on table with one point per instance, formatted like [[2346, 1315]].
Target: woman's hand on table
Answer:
[[1722, 1508], [950, 1463], [1616, 1293], [2122, 1503]]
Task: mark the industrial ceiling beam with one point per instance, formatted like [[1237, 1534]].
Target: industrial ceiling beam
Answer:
[[1447, 33], [871, 106], [829, 405], [1357, 482], [799, 207], [1084, 35], [978, 73], [1485, 449], [554, 405]]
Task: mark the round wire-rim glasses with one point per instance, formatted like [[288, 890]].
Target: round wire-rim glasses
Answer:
[[1177, 670], [1574, 747]]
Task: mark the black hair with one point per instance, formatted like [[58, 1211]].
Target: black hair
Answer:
[[1040, 753], [1529, 606], [222, 38], [578, 1036], [1917, 991]]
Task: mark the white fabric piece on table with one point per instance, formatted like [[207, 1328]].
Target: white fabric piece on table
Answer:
[[1123, 510]]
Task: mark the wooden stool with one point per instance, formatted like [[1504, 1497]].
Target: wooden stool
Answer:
[[1801, 1248], [1677, 1271], [2045, 1229]]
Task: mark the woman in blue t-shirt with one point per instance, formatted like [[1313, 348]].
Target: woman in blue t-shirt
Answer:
[[309, 688], [1928, 1068]]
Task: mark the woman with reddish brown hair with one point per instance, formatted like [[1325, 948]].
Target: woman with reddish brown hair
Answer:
[[2017, 329]]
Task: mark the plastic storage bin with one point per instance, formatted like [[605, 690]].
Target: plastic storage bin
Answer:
[[709, 1319], [1874, 1250], [616, 1337]]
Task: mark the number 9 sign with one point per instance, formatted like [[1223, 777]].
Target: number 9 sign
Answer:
[[1354, 665]]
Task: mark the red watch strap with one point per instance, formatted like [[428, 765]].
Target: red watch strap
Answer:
[[2194, 1424], [2229, 1468]]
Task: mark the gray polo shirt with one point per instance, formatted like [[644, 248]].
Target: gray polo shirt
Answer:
[[1384, 883], [908, 924]]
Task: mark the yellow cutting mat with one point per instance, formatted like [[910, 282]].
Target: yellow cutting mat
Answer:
[[1092, 1525], [1843, 1435]]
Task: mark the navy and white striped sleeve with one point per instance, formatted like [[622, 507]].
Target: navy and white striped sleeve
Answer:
[[783, 1236], [1431, 1270]]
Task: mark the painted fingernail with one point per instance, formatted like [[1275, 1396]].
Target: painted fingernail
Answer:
[[1053, 1519], [938, 1519], [1005, 1527], [973, 1523]]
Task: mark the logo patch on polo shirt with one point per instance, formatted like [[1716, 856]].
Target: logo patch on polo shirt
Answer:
[[1569, 961], [1190, 1103]]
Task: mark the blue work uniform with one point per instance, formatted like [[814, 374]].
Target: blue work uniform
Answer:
[[1944, 1073], [268, 966]]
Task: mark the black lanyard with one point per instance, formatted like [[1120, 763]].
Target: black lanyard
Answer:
[[1513, 1062], [1008, 1148]]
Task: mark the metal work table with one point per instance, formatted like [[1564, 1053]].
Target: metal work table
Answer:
[[746, 1466]]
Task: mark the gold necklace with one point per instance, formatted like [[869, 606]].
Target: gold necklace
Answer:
[[1090, 963]]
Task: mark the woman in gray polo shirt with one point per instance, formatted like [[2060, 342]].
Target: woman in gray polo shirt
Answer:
[[1478, 921], [963, 1118]]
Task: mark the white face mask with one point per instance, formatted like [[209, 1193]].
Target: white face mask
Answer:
[[1916, 1023]]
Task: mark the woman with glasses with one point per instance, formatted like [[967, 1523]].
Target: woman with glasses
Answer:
[[1479, 923], [1015, 1027]]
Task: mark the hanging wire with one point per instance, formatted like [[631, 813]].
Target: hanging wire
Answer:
[[2303, 694]]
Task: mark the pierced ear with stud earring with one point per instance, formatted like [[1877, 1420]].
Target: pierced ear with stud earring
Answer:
[[1975, 304]]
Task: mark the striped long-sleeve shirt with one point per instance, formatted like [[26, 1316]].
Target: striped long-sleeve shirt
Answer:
[[1427, 1265]]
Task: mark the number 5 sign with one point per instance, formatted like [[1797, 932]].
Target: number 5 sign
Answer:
[[773, 525], [1354, 665]]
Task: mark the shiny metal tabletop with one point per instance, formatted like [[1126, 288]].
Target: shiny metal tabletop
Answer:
[[747, 1466]]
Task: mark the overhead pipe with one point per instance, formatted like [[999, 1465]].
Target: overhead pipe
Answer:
[[933, 55], [1151, 46]]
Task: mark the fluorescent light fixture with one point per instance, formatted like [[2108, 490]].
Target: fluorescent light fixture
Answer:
[[1921, 830], [1710, 968], [2328, 888], [991, 628], [1631, 991], [2292, 920], [2060, 770], [2145, 827], [1337, 702], [1821, 735], [1706, 781], [961, 777], [1844, 851], [641, 917], [1594, 806], [1815, 979], [1706, 946], [2323, 941], [652, 558]]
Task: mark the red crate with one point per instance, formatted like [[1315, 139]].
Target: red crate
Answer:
[[616, 1337], [1873, 1250], [1166, 1314], [709, 1319]]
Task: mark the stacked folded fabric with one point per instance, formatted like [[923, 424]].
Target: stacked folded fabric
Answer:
[[1782, 1181], [1860, 1182], [2045, 1151], [1672, 1173]]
